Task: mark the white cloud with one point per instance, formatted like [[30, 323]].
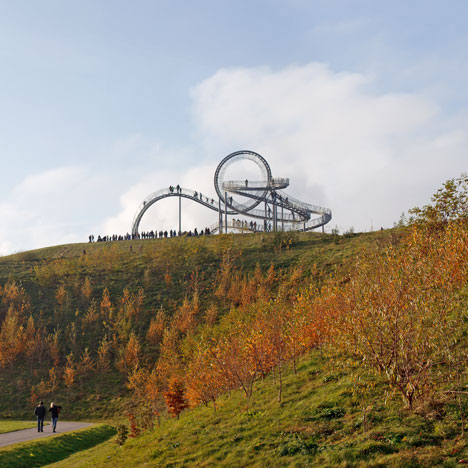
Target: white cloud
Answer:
[[364, 155], [46, 208]]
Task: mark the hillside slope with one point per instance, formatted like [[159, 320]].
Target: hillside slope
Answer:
[[66, 307], [330, 416]]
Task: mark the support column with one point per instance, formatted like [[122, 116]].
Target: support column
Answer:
[[265, 220], [275, 212], [180, 215], [220, 217], [282, 218], [225, 213]]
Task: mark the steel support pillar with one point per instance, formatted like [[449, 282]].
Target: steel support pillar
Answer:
[[275, 213], [180, 215], [220, 217], [225, 213]]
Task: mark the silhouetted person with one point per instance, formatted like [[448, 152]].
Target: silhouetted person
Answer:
[[54, 411], [40, 413]]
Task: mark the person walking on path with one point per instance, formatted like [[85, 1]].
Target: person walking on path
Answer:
[[54, 410], [40, 412]]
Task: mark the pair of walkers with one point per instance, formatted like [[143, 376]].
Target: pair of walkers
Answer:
[[40, 412]]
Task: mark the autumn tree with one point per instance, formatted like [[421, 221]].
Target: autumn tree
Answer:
[[170, 360], [104, 355], [175, 397], [230, 354], [130, 354], [400, 312], [204, 382], [185, 318], [155, 330], [69, 372], [146, 396], [12, 337], [449, 203], [86, 288]]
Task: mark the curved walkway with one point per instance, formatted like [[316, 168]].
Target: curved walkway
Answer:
[[25, 435]]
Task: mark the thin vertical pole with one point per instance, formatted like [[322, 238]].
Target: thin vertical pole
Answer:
[[275, 213], [180, 215], [265, 222], [225, 213], [220, 217], [282, 217]]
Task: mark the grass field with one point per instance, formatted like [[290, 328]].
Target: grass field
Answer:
[[45, 451], [10, 426], [330, 417]]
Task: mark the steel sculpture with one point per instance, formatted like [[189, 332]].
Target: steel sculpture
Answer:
[[257, 199]]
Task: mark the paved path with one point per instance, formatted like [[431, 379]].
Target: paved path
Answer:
[[30, 434]]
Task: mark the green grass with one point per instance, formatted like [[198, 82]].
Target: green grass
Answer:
[[318, 424], [10, 426], [50, 450]]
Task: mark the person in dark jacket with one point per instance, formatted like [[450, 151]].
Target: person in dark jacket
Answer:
[[54, 410], [40, 412]]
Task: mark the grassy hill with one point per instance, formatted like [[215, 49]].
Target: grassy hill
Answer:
[[61, 287], [335, 410]]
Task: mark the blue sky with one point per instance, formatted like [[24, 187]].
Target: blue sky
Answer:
[[362, 104]]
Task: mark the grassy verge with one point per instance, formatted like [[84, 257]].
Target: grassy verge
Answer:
[[10, 426], [329, 417], [50, 450]]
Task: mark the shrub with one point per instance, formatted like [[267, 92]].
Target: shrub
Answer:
[[122, 434]]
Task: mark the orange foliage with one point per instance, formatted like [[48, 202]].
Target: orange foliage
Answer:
[[156, 328], [130, 354], [175, 397], [69, 373]]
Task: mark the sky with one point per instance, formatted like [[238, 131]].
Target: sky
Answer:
[[363, 105]]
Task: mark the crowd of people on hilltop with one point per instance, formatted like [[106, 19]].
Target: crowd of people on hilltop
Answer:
[[150, 235]]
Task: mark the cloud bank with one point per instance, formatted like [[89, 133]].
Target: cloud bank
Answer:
[[367, 156]]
